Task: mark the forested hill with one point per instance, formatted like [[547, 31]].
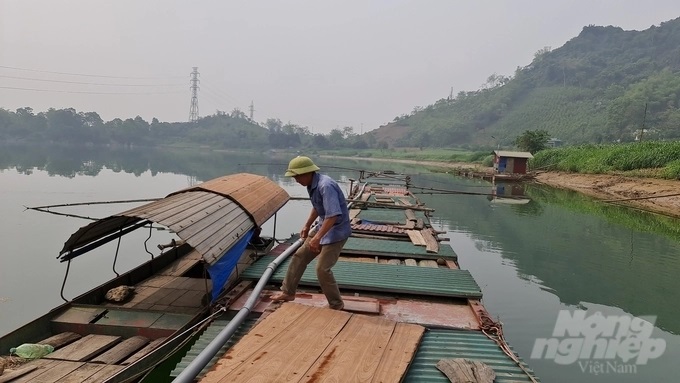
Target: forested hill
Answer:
[[593, 89]]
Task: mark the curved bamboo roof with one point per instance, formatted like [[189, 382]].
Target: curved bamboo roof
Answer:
[[210, 216]]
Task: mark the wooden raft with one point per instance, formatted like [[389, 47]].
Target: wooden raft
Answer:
[[298, 343]]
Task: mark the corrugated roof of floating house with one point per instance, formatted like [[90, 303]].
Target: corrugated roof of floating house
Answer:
[[438, 344], [388, 215], [397, 249], [506, 153], [378, 228], [397, 180], [422, 281]]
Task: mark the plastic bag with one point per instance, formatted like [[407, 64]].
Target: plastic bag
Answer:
[[31, 351]]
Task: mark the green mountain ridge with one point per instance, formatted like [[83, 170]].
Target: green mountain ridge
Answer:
[[599, 87]]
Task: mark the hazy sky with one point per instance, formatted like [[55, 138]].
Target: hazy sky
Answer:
[[322, 64]]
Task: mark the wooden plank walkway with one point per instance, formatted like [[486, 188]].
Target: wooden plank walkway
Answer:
[[85, 348], [67, 372], [299, 343]]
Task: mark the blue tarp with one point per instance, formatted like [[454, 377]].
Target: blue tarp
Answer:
[[220, 271]]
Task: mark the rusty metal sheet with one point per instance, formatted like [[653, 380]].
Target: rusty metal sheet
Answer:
[[395, 190], [378, 228]]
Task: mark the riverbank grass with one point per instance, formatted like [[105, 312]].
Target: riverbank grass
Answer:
[[657, 159]]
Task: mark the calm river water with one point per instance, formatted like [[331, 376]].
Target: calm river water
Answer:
[[558, 251]]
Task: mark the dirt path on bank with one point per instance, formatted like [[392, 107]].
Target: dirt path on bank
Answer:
[[643, 193]]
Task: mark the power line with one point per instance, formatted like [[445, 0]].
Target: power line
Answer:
[[85, 92], [87, 75], [220, 93], [219, 105], [214, 96], [209, 104], [84, 83]]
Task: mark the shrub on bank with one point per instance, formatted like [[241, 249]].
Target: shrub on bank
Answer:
[[672, 170]]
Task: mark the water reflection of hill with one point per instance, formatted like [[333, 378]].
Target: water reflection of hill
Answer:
[[582, 250], [201, 164], [70, 161]]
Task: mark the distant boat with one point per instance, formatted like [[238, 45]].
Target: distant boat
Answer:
[[511, 201]]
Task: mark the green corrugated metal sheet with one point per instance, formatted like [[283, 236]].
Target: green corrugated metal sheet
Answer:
[[382, 277], [202, 342], [388, 215], [401, 249], [396, 199], [447, 344]]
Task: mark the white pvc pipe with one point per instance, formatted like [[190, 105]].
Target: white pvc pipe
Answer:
[[194, 368]]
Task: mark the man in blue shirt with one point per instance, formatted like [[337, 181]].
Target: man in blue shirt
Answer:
[[326, 242]]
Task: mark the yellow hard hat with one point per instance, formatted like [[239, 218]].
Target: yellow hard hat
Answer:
[[300, 165]]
